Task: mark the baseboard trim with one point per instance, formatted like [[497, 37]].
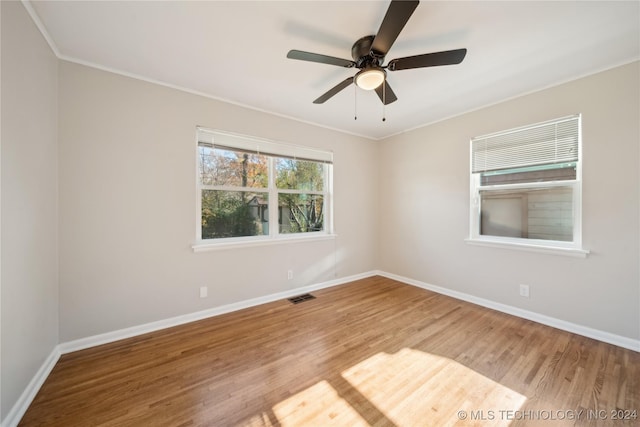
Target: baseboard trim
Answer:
[[108, 337], [585, 331], [22, 404], [18, 410]]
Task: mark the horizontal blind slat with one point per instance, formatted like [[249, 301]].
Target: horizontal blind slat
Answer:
[[548, 143], [254, 145], [261, 153]]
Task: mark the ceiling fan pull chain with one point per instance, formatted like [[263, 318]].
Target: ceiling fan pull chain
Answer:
[[369, 54], [355, 102], [384, 100]]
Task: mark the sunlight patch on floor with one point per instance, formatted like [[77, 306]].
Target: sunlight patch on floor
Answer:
[[407, 388], [411, 387], [318, 405], [261, 420]]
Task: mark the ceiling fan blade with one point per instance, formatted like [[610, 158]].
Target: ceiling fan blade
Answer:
[[322, 59], [334, 90], [448, 57], [386, 94], [394, 21]]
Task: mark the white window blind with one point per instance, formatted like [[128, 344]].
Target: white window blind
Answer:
[[254, 145], [548, 143]]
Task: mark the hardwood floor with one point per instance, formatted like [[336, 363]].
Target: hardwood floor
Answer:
[[373, 352]]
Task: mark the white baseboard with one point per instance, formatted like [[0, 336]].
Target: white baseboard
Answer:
[[17, 411], [80, 344], [21, 406], [92, 341], [585, 331]]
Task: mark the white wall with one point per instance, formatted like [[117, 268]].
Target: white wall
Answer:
[[424, 207], [111, 248], [127, 206], [29, 202]]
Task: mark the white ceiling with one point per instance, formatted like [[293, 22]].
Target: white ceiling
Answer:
[[236, 51]]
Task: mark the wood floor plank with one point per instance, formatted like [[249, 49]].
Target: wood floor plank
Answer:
[[373, 352]]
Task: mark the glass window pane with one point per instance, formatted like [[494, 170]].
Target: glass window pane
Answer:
[[234, 214], [227, 167], [294, 174], [300, 213], [545, 214]]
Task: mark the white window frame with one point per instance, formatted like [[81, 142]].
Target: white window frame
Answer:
[[272, 150], [571, 248]]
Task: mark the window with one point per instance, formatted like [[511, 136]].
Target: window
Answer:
[[252, 190], [526, 186]]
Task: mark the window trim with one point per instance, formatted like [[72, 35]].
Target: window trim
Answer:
[[252, 241], [572, 248], [505, 243], [282, 150]]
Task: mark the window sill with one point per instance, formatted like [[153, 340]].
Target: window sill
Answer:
[[206, 246], [555, 250]]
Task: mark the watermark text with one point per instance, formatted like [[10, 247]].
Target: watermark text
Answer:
[[547, 415]]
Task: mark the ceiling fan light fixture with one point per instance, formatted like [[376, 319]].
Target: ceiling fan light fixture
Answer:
[[370, 78]]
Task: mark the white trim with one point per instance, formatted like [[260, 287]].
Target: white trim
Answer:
[[206, 95], [529, 185], [228, 140], [570, 248], [56, 51], [26, 398], [232, 243], [272, 150], [555, 250], [83, 343], [43, 30], [607, 337], [22, 404], [511, 98], [36, 19]]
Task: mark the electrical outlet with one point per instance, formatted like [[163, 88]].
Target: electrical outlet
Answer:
[[289, 274], [204, 291], [524, 291]]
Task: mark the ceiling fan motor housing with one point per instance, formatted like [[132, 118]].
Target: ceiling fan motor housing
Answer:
[[362, 54], [368, 54]]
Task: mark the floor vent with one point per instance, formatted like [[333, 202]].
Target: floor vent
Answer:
[[301, 298]]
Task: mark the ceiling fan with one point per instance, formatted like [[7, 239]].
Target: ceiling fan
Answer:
[[368, 55]]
